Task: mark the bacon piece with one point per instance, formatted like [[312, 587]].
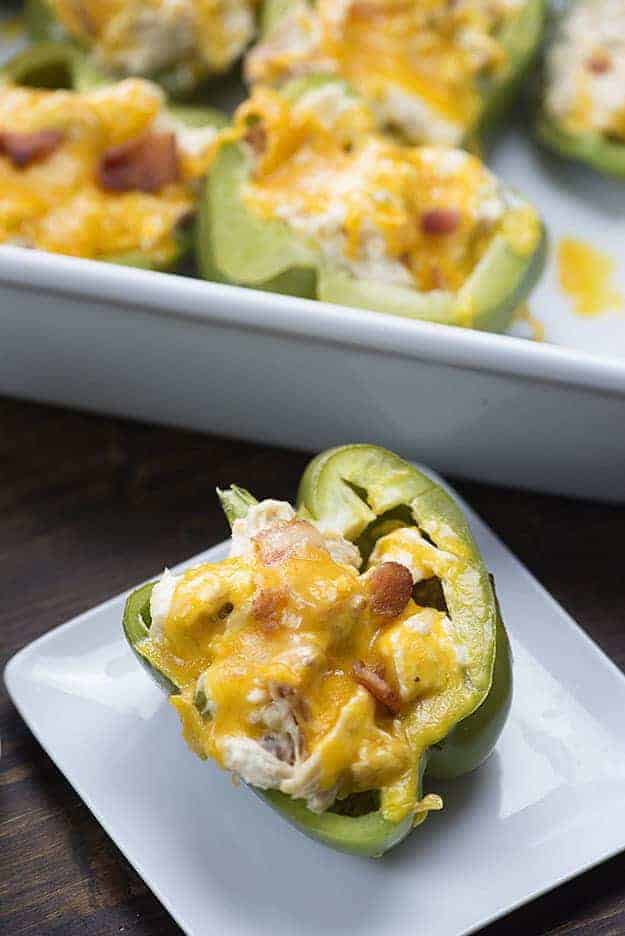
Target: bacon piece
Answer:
[[24, 149], [390, 587], [256, 137], [267, 605], [375, 683], [146, 164], [440, 221], [284, 539], [599, 62]]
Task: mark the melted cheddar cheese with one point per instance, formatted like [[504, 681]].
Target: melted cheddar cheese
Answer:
[[420, 217], [292, 674], [417, 61], [141, 37], [586, 277], [56, 204]]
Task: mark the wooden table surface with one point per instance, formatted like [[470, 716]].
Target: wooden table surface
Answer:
[[91, 505]]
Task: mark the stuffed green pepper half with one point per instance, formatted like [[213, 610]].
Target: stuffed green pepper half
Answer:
[[583, 88], [305, 198], [177, 43], [342, 653], [434, 71], [94, 169]]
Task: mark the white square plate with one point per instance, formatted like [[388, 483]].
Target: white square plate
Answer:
[[547, 805]]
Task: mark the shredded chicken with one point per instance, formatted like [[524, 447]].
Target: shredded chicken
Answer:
[[285, 539], [281, 746], [266, 607], [283, 716], [273, 528]]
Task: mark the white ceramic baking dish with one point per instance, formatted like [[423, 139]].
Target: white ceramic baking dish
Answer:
[[547, 415], [304, 374]]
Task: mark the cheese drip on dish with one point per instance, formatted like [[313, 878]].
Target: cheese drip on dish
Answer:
[[296, 667], [420, 217], [418, 62], [142, 37], [62, 200], [586, 69]]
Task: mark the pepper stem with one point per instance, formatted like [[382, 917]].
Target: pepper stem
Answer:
[[235, 502]]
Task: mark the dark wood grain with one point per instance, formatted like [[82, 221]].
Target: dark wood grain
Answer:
[[88, 507]]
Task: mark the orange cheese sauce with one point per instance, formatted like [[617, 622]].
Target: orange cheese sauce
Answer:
[[384, 189], [238, 629], [586, 277], [57, 205]]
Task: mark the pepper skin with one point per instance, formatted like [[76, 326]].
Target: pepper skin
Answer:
[[235, 246], [592, 149], [365, 491]]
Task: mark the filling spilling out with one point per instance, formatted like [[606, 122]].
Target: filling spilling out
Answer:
[[144, 37], [586, 70], [98, 174], [418, 217], [421, 63], [299, 663]]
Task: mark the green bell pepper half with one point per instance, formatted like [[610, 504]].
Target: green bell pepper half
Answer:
[[591, 148], [520, 37], [237, 247], [365, 491], [54, 65], [177, 81]]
